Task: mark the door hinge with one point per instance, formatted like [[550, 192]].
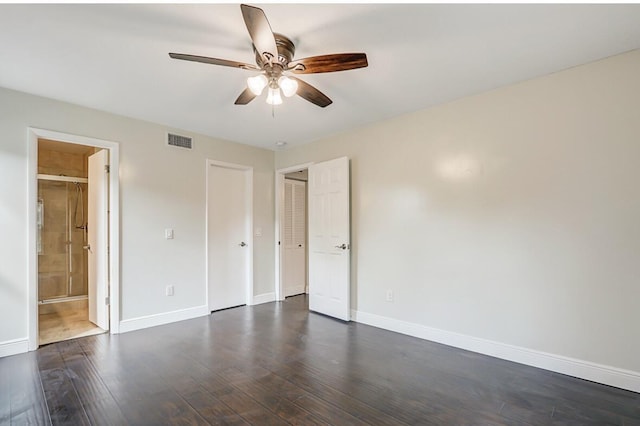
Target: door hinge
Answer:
[[106, 300], [107, 168]]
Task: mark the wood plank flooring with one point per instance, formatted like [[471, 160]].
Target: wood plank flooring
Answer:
[[278, 364]]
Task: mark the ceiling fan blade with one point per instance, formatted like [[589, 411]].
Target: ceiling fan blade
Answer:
[[311, 94], [260, 31], [245, 97], [329, 63], [213, 61]]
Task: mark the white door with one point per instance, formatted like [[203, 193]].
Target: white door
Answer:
[[228, 239], [97, 239], [329, 243], [294, 237]]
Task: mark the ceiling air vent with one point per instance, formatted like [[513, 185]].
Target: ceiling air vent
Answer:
[[179, 141]]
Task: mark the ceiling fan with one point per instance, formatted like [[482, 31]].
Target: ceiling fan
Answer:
[[274, 60]]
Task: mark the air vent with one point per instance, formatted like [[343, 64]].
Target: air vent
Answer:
[[179, 141]]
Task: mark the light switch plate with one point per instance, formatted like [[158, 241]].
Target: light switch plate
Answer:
[[258, 232], [168, 234]]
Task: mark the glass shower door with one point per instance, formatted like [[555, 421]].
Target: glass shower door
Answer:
[[62, 260]]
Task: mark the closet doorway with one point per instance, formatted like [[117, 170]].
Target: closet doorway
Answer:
[[292, 254], [229, 235], [328, 252], [294, 234]]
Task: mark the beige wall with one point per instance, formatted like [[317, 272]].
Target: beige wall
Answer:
[[510, 216], [160, 186]]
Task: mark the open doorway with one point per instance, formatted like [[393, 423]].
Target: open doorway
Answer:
[[292, 255], [71, 211], [328, 235], [73, 237], [294, 235]]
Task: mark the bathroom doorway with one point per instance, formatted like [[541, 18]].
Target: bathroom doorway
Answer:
[[66, 228]]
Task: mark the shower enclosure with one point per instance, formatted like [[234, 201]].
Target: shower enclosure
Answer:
[[62, 238]]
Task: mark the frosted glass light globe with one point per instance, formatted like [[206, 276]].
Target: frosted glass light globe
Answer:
[[257, 84], [273, 96], [288, 85]]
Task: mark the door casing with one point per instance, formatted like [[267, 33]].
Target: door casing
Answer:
[[33, 134]]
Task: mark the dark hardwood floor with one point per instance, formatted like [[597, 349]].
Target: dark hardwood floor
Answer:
[[278, 364]]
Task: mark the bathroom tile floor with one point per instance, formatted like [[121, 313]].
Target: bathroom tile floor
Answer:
[[64, 321]]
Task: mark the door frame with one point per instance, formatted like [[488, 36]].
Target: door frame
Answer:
[[279, 204], [248, 170], [33, 134]]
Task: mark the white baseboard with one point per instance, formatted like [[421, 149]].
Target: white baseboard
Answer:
[[604, 374], [163, 318], [14, 347], [264, 298]]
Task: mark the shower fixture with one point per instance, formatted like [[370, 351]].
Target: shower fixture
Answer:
[[80, 201]]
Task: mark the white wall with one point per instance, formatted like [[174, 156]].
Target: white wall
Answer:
[[511, 216], [161, 187]]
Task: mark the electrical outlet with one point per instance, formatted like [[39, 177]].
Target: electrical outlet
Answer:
[[169, 290], [389, 295]]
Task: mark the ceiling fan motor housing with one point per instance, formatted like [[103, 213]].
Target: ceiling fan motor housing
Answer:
[[286, 50]]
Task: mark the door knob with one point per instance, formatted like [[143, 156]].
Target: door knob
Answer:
[[343, 246], [242, 244]]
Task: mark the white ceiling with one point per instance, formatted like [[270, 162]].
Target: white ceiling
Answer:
[[114, 58]]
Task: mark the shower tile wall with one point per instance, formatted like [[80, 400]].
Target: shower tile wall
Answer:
[[61, 272], [61, 163]]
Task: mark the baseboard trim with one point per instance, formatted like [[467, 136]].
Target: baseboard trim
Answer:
[[264, 298], [612, 376], [14, 347], [162, 318]]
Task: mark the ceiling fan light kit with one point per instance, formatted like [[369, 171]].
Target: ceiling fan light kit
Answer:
[[274, 59], [258, 83]]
